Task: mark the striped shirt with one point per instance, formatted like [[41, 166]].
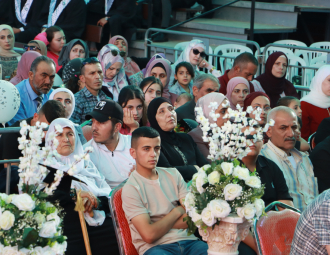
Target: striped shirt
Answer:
[[300, 180], [312, 230]]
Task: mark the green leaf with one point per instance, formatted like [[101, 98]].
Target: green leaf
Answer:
[[30, 236]]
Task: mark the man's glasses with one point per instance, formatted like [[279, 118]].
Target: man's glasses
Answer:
[[90, 60], [115, 53], [27, 47], [196, 52]]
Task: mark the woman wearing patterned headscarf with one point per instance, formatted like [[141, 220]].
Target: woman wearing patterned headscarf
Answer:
[[114, 77]]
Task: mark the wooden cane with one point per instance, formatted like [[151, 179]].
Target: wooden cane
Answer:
[[80, 209]]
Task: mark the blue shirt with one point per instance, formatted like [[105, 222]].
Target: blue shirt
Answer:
[[178, 89], [28, 106]]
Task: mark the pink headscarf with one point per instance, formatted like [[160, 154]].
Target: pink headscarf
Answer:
[[130, 66], [231, 86], [42, 37], [24, 66]]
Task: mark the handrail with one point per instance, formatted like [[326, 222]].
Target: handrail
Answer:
[[196, 17]]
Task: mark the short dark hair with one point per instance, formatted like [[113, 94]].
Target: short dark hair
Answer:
[[50, 32], [52, 110], [40, 59], [286, 101], [245, 58], [187, 65], [147, 132], [149, 81], [92, 62]]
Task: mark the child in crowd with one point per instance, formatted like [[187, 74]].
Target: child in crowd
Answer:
[[294, 104], [182, 99], [152, 87], [135, 112], [184, 73]]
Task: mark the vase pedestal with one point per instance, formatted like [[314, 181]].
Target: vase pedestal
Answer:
[[225, 237]]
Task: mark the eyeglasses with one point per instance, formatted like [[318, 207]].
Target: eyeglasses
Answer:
[[90, 60], [115, 53], [27, 47], [196, 52]]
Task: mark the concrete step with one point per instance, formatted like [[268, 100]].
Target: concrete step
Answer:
[[315, 3]]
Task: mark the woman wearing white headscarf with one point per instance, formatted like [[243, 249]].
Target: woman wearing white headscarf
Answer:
[[204, 102], [114, 77], [194, 53], [94, 190], [8, 57], [66, 98], [316, 105]]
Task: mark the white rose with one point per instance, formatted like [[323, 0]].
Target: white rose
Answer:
[[200, 181], [227, 168], [248, 211], [205, 167], [7, 220], [207, 217], [219, 208], [4, 197], [232, 191], [59, 248], [194, 215], [39, 218], [23, 202], [259, 204], [54, 216], [214, 177], [189, 201], [23, 251], [253, 181], [48, 229], [241, 173], [37, 251], [10, 250]]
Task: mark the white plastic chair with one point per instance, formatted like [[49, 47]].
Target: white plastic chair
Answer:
[[310, 73], [295, 51], [293, 71], [315, 54], [180, 47], [228, 50], [272, 49]]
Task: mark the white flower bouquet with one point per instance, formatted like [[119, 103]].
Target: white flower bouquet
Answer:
[[226, 186], [29, 224]]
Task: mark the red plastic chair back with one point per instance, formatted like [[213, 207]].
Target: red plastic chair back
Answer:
[[275, 232], [122, 228]]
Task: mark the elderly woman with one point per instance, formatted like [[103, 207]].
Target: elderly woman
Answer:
[[316, 105], [204, 103], [177, 149], [24, 66], [114, 77], [94, 190], [8, 57], [160, 68], [237, 90], [76, 48], [273, 80], [130, 66], [66, 98]]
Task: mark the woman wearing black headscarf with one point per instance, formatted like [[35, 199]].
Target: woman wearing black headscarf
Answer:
[[71, 73], [76, 48], [273, 80], [177, 149]]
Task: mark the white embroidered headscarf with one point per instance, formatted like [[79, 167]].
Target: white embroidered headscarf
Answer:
[[86, 170], [52, 95], [316, 96]]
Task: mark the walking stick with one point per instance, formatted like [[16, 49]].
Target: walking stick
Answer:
[[80, 209]]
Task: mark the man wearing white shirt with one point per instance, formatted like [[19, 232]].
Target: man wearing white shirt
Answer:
[[111, 154], [295, 165]]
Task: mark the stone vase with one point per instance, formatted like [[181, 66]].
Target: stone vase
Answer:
[[225, 237]]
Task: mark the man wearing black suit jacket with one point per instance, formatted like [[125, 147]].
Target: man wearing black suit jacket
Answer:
[[203, 84]]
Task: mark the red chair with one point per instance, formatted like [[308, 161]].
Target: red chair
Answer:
[[274, 232], [120, 223]]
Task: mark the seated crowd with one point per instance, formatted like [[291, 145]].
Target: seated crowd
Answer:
[[132, 113]]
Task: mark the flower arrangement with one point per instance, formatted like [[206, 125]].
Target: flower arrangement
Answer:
[[226, 186], [29, 224]]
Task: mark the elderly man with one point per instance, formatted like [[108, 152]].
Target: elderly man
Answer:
[[35, 90], [246, 66], [296, 166], [203, 84]]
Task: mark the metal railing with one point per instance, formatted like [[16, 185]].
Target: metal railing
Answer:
[[148, 44]]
